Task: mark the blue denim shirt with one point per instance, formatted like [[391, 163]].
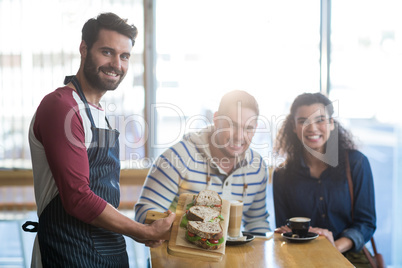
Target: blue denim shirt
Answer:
[[326, 200]]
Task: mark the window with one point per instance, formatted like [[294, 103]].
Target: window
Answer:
[[207, 48], [366, 65], [40, 50]]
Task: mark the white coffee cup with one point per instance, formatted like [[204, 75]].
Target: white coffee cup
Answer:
[[235, 216]]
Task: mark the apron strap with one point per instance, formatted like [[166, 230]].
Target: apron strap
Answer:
[[73, 79]]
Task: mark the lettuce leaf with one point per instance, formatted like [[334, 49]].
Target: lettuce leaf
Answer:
[[196, 238], [220, 217], [192, 238], [189, 205], [184, 221], [211, 245]]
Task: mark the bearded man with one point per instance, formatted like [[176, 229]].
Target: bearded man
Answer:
[[75, 159]]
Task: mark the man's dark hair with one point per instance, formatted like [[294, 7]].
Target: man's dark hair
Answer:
[[108, 21], [238, 97]]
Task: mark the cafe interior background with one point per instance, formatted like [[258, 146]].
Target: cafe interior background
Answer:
[[187, 55]]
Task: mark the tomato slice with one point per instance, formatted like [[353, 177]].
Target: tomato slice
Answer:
[[218, 205], [213, 241], [191, 234]]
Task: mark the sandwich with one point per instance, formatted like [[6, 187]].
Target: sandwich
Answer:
[[208, 235], [203, 213], [209, 198], [202, 220], [205, 206]]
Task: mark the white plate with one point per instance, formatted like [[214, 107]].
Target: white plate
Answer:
[[249, 238]]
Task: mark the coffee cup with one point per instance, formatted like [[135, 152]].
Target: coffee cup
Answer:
[[235, 216], [299, 226]]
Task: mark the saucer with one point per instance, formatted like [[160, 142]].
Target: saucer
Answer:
[[310, 236], [249, 238]]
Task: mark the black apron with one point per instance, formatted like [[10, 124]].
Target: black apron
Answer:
[[68, 242]]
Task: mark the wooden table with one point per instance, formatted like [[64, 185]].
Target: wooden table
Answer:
[[276, 252]]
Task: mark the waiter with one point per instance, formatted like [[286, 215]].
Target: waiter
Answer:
[[75, 158]]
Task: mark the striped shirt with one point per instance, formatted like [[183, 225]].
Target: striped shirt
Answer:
[[185, 167]]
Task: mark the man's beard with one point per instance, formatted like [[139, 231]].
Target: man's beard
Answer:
[[91, 73]]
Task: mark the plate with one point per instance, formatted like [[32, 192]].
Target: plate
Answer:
[[249, 238], [309, 237]]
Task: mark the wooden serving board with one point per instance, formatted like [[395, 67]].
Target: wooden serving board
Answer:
[[153, 216], [178, 246]]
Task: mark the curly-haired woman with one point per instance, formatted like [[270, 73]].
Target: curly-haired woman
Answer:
[[312, 182]]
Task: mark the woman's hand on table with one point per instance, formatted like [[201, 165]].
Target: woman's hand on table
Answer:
[[343, 244], [282, 229], [324, 232]]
